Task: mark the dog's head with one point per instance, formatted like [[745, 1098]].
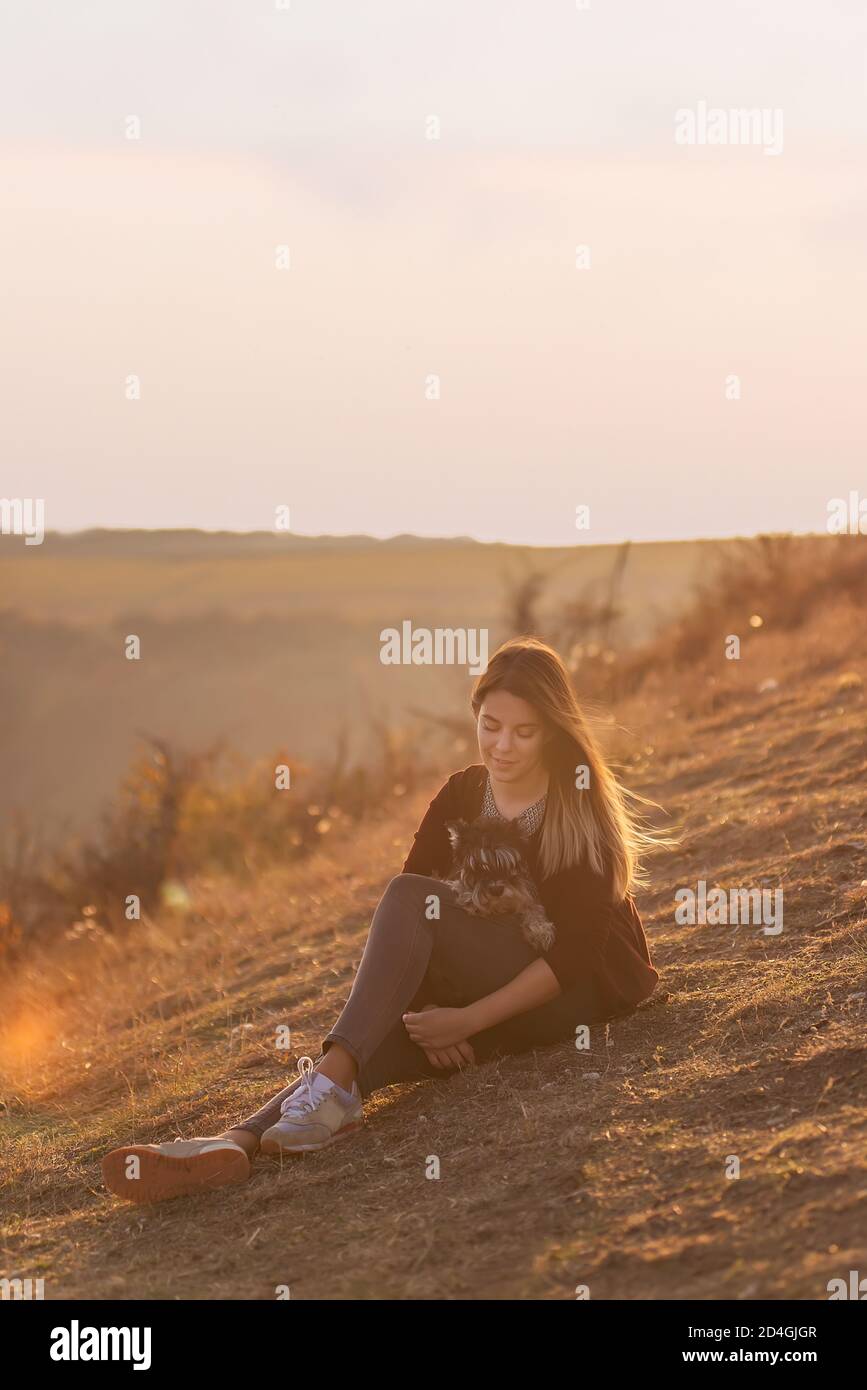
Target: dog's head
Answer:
[[490, 863]]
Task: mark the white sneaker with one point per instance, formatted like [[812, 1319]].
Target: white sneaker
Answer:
[[314, 1116], [154, 1172]]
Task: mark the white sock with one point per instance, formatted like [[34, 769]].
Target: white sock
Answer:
[[324, 1083]]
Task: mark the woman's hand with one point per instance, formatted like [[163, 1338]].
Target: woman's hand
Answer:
[[445, 1057], [441, 1034]]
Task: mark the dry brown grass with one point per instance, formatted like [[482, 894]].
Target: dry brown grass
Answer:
[[558, 1167]]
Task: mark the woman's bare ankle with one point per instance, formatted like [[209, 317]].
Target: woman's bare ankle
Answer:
[[247, 1140]]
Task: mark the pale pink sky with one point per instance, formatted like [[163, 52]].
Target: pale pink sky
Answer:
[[409, 257]]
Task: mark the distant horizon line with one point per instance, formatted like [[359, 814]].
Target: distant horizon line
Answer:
[[366, 536]]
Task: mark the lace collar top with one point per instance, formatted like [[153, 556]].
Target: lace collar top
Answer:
[[529, 820]]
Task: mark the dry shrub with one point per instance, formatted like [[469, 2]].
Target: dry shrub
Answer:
[[177, 814], [775, 582]]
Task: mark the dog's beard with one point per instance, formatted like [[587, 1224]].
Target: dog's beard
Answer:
[[488, 899], [517, 899]]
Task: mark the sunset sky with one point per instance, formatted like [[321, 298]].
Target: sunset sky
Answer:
[[306, 127]]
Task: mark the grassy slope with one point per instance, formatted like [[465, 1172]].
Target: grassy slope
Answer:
[[558, 1167]]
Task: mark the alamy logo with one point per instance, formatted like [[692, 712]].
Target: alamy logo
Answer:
[[712, 125], [440, 646], [847, 516], [23, 516], [855, 1289], [77, 1343], [718, 908], [15, 1289]]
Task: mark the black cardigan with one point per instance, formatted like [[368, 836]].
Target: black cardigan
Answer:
[[595, 936]]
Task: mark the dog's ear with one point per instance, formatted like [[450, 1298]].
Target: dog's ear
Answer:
[[456, 830]]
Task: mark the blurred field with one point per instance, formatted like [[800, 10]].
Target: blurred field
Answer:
[[264, 641], [559, 1167]]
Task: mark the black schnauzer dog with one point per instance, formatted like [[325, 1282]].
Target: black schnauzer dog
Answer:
[[491, 878]]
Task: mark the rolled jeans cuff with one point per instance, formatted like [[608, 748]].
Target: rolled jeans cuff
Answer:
[[344, 1042]]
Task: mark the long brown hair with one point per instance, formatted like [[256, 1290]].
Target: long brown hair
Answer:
[[594, 823]]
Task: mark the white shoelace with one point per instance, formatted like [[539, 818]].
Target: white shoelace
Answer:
[[298, 1103]]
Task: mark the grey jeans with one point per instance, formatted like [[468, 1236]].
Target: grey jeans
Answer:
[[410, 960]]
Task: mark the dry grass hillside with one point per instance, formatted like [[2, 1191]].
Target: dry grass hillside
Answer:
[[560, 1167]]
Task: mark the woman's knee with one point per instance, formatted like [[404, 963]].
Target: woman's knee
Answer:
[[415, 893], [413, 886]]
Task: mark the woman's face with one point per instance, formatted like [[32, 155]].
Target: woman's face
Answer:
[[511, 736]]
